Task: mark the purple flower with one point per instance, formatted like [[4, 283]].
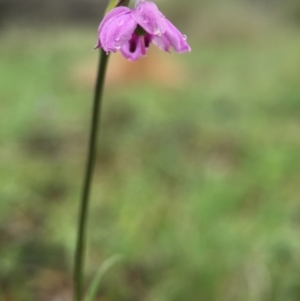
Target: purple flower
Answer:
[[133, 30]]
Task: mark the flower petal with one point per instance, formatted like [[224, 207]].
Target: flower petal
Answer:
[[162, 43], [176, 38], [122, 10], [117, 31], [148, 16], [133, 50]]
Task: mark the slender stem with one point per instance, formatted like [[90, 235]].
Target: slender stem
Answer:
[[84, 205]]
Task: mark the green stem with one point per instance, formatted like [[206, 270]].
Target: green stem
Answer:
[[84, 205]]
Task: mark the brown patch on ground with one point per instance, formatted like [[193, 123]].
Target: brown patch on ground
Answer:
[[157, 68], [52, 285]]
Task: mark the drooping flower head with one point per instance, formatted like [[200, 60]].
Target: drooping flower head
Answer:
[[133, 30]]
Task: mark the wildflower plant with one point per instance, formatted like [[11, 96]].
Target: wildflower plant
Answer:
[[130, 31], [133, 30]]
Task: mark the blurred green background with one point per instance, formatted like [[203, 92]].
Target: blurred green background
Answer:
[[197, 182]]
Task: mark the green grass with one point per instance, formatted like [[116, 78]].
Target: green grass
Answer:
[[197, 188]]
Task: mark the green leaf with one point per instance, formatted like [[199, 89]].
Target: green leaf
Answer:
[[93, 288]]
